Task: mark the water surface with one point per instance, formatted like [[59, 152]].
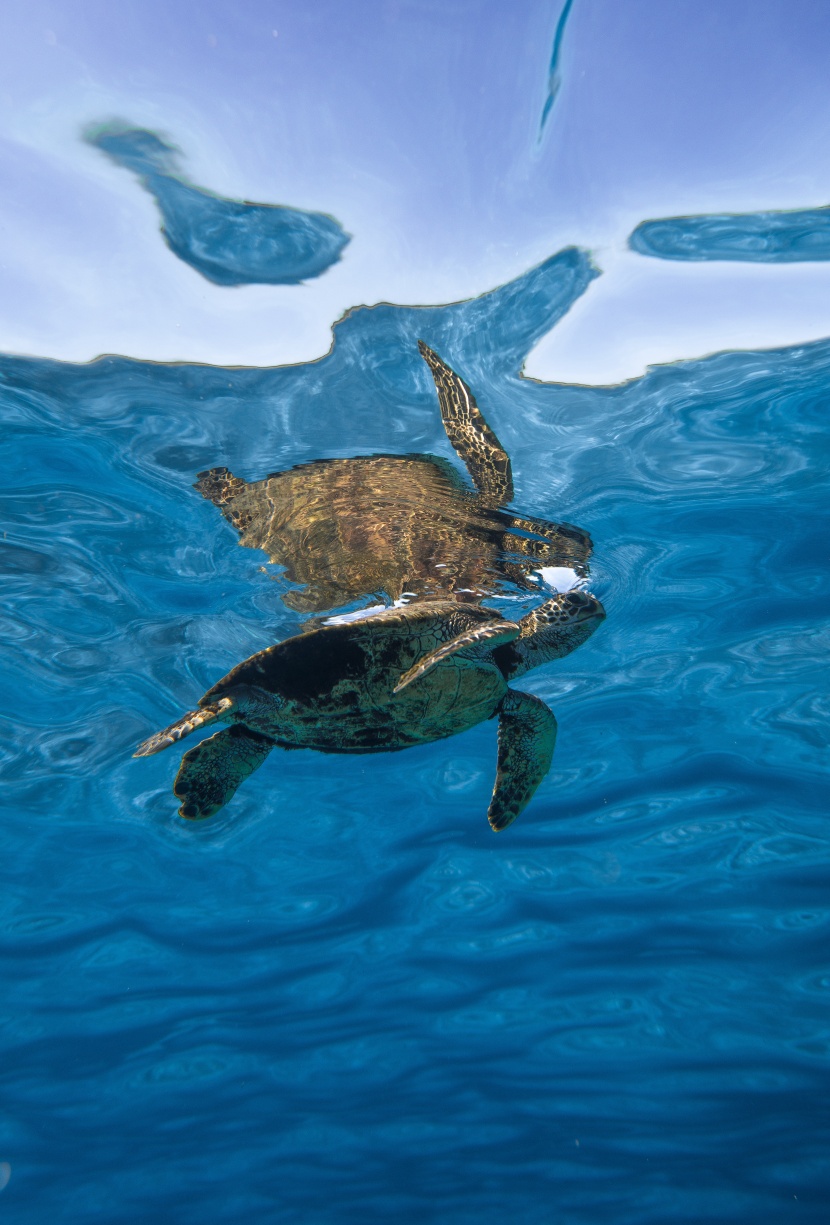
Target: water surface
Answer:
[[230, 242], [776, 237], [345, 999]]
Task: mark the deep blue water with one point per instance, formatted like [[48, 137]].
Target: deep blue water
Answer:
[[344, 999], [230, 242]]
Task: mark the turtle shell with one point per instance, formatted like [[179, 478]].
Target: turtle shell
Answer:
[[332, 689]]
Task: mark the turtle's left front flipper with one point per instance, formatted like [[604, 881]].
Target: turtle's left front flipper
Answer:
[[489, 634], [527, 735], [211, 771], [188, 723]]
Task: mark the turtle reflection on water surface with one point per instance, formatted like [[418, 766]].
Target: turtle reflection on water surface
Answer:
[[394, 679], [399, 524]]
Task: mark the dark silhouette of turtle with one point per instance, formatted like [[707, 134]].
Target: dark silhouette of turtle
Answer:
[[397, 678], [389, 525]]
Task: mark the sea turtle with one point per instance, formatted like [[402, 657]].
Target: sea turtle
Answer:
[[397, 678], [389, 525]]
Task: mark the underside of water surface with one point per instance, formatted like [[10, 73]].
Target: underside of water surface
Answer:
[[344, 999], [230, 242], [532, 552], [783, 237]]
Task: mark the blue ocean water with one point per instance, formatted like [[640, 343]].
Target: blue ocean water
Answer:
[[230, 242], [344, 999], [786, 236]]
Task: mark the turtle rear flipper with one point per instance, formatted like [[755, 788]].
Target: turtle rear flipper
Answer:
[[527, 735], [490, 634], [484, 457], [183, 727], [211, 771]]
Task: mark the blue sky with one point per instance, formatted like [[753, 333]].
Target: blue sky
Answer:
[[415, 122]]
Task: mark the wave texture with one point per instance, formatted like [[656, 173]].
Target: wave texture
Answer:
[[345, 1000]]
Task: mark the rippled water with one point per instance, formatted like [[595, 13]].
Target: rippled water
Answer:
[[344, 999], [786, 236]]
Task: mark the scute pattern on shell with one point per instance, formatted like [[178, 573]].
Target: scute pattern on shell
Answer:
[[387, 524]]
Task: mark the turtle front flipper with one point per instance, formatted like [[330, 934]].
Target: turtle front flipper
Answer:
[[527, 735], [490, 634], [211, 771], [475, 443], [183, 727]]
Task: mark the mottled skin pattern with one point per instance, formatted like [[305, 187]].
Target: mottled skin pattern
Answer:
[[389, 524], [469, 433], [395, 679]]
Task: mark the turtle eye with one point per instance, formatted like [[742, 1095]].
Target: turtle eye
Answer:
[[581, 606], [578, 600]]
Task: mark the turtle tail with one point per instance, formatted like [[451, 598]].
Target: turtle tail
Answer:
[[183, 727]]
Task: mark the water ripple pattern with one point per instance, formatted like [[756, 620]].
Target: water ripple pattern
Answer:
[[230, 242], [344, 1000], [783, 237]]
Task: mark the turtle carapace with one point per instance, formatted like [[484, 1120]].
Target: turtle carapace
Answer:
[[394, 679]]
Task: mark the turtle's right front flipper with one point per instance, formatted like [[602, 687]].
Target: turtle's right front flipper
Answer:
[[484, 457], [211, 771]]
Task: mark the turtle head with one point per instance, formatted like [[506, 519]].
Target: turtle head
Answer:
[[555, 629], [579, 608]]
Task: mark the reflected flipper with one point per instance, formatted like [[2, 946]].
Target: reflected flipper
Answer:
[[527, 735], [491, 634], [211, 771], [485, 458], [553, 544]]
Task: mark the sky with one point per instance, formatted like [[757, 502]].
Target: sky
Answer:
[[416, 123]]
